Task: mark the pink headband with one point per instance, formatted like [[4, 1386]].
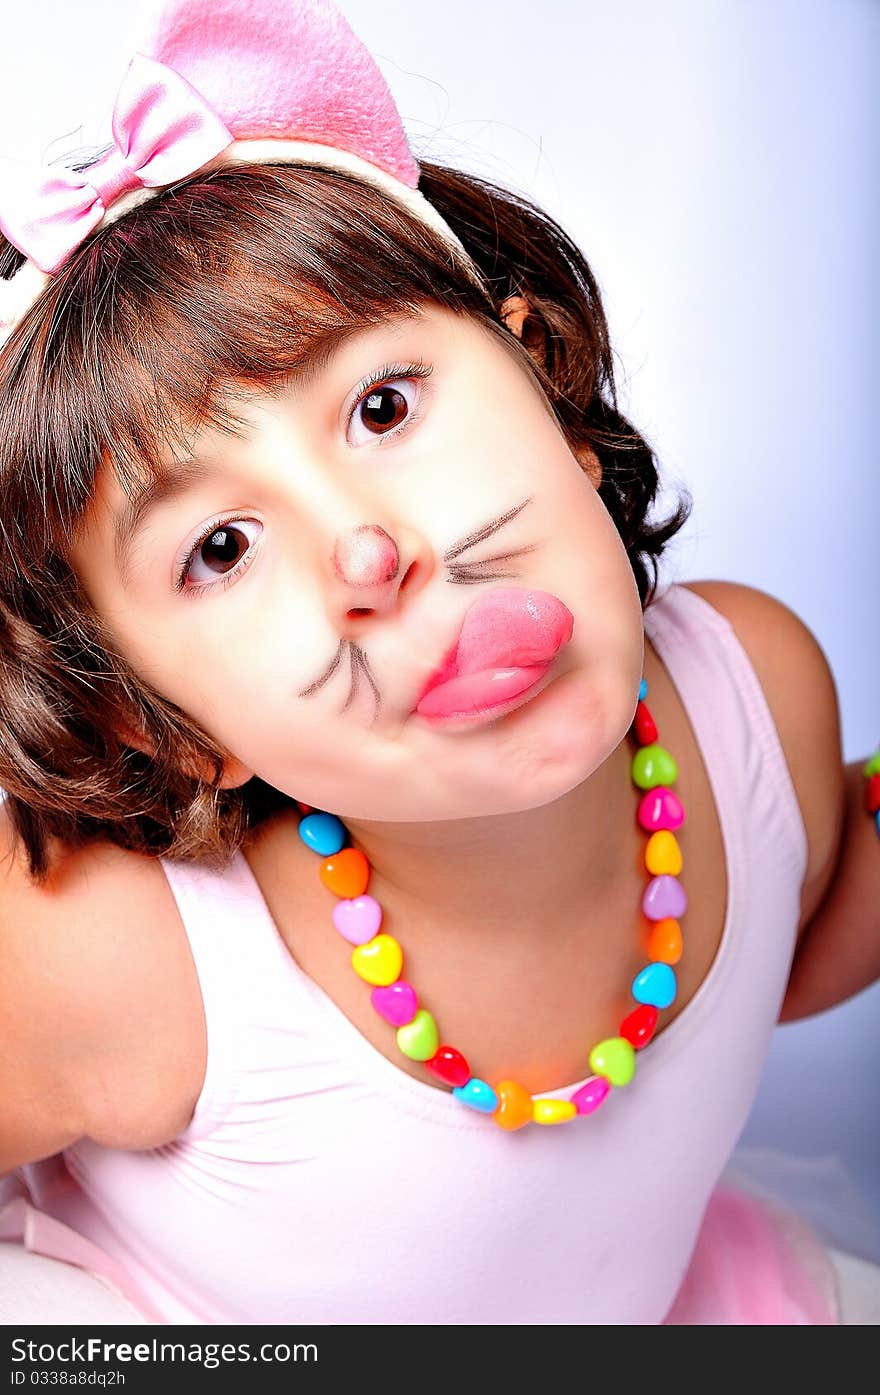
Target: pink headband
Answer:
[[218, 82]]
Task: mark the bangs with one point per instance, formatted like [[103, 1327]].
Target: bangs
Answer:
[[227, 283]]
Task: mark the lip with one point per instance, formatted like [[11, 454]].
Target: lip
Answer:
[[488, 712], [444, 670], [505, 643]]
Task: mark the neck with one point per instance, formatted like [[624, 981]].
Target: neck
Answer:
[[503, 875]]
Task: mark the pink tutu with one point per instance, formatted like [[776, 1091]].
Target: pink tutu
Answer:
[[755, 1265]]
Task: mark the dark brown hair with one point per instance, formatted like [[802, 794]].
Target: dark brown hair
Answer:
[[222, 280]]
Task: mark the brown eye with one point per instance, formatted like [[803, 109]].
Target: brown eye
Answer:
[[385, 408], [218, 553], [225, 547]]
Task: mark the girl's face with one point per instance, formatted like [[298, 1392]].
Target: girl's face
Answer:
[[231, 603]]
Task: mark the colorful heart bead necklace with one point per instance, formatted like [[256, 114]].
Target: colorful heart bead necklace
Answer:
[[378, 957], [871, 773]]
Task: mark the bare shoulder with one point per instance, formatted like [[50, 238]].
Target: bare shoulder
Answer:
[[100, 954], [801, 693]]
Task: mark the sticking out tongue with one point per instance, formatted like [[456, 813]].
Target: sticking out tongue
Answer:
[[512, 627]]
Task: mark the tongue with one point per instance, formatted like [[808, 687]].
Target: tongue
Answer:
[[512, 627]]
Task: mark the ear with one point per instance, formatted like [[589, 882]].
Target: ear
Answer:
[[514, 311], [234, 772]]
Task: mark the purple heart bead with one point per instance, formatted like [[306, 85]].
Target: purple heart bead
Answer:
[[664, 895], [397, 1002], [660, 808], [357, 919]]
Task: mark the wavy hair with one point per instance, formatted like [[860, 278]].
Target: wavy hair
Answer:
[[231, 276]]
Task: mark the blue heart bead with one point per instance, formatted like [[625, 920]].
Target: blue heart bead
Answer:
[[655, 986], [323, 833], [477, 1094]]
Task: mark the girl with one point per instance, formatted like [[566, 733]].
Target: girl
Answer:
[[376, 949]]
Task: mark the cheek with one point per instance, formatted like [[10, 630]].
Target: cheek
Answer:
[[587, 565], [239, 677], [613, 621], [580, 542]]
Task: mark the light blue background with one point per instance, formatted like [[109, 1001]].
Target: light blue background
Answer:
[[716, 160]]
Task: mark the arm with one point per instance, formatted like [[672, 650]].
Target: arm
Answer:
[[839, 952], [41, 1104], [93, 985], [838, 949]]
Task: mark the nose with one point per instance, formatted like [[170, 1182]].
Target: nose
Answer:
[[366, 556], [368, 563]]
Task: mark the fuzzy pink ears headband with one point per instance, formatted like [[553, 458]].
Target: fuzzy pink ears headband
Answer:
[[218, 82]]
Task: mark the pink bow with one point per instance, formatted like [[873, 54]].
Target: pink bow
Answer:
[[162, 130], [219, 71]]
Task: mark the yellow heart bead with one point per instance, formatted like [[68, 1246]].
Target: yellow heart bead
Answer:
[[553, 1111], [662, 853], [379, 961]]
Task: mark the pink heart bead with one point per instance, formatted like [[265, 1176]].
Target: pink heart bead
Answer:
[[664, 895], [591, 1095], [660, 808], [357, 919], [396, 1002]]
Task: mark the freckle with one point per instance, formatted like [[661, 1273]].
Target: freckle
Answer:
[[367, 557]]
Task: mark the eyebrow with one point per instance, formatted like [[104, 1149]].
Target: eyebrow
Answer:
[[177, 477], [168, 483]]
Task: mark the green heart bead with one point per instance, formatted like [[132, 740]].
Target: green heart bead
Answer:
[[873, 766], [419, 1039], [653, 765], [615, 1059]]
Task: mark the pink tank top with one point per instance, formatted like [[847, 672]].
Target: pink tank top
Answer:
[[319, 1183]]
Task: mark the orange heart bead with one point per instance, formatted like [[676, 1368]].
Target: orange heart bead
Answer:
[[662, 853], [515, 1107], [664, 941], [346, 873]]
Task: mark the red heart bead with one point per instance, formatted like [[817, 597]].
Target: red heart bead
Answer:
[[450, 1065], [646, 727], [638, 1028]]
